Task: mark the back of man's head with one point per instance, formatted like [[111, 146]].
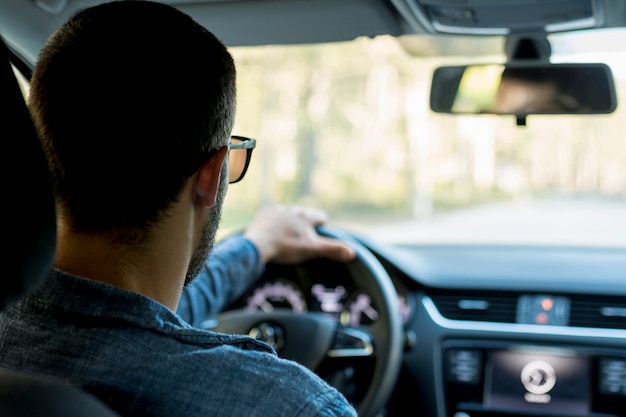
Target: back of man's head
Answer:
[[128, 96]]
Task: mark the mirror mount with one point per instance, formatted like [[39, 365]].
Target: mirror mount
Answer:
[[527, 48]]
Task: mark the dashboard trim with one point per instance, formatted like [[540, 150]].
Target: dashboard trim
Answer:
[[517, 328]]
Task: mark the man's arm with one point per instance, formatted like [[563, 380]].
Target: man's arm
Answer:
[[282, 234]]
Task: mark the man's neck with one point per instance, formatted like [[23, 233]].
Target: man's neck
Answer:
[[156, 270]]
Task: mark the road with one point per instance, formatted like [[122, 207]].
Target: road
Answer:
[[559, 221]]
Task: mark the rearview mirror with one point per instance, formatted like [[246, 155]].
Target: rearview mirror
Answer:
[[523, 89]]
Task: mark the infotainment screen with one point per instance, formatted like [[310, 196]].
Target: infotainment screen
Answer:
[[522, 381]]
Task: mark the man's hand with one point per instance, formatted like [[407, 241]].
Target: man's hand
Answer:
[[286, 234]]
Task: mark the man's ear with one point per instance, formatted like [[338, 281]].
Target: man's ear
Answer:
[[208, 177]]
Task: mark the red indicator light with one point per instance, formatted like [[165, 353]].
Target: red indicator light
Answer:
[[547, 304], [541, 318]]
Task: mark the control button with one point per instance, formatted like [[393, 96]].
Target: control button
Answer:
[[543, 309], [612, 376], [464, 365]]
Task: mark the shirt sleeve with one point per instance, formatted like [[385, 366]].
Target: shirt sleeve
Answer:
[[234, 264]]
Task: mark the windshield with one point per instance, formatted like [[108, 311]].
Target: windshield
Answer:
[[347, 127]]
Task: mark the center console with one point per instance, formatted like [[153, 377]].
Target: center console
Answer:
[[488, 379]]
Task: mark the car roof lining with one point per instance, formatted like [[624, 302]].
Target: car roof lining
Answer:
[[283, 21], [25, 25], [295, 22]]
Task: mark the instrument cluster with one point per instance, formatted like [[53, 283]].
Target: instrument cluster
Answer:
[[324, 286]]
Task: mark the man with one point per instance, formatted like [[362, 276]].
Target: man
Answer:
[[534, 90], [134, 103]]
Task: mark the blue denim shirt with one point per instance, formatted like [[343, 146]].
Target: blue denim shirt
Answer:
[[144, 360]]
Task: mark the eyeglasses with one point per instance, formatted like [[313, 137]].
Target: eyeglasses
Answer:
[[239, 154]]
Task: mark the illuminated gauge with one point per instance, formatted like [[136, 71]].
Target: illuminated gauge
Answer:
[[330, 299], [359, 311], [276, 294], [405, 309]]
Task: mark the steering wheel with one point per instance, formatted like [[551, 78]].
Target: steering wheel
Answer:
[[311, 338]]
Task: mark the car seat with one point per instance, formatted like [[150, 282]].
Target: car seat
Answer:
[[30, 232]]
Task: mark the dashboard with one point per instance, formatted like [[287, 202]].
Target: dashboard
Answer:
[[488, 330]]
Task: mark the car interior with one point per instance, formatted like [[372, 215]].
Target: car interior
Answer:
[[476, 165]]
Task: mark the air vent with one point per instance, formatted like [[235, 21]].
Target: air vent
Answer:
[[591, 311], [604, 312], [477, 306]]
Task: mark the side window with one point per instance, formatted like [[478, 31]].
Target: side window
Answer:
[[23, 82]]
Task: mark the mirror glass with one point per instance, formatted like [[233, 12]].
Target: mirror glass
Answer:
[[522, 89]]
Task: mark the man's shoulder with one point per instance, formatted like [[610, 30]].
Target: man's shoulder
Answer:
[[140, 356], [180, 371], [232, 378]]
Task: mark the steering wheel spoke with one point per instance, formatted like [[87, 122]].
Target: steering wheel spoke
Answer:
[[351, 342]]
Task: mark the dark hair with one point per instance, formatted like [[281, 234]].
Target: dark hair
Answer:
[[128, 96]]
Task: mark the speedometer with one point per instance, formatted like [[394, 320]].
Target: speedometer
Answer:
[[359, 310], [276, 294]]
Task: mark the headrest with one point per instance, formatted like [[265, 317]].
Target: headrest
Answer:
[[29, 224]]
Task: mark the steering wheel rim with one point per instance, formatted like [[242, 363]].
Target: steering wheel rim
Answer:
[[387, 331], [318, 334]]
